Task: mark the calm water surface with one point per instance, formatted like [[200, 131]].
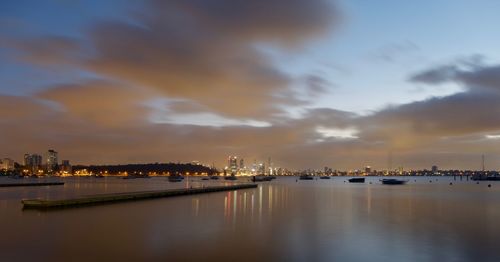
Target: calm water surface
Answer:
[[282, 220]]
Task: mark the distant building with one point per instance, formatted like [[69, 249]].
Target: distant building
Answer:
[[6, 164], [368, 170], [33, 162], [233, 164], [66, 167], [52, 161], [261, 169], [242, 164], [434, 169]]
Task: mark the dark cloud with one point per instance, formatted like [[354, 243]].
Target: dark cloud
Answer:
[[436, 75], [317, 85], [199, 51]]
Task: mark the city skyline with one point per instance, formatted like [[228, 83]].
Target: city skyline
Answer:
[[343, 84]]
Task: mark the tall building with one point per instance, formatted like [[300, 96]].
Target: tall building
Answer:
[[434, 169], [51, 161], [233, 164], [242, 164], [33, 162], [261, 169]]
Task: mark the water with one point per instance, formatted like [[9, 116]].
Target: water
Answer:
[[282, 220]]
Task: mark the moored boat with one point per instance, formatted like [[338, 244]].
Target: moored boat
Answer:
[[306, 177], [356, 180], [175, 178], [261, 178], [393, 181]]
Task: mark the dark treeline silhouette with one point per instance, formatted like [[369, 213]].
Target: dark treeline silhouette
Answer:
[[159, 168]]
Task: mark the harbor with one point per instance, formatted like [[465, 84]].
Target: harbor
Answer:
[[219, 217]]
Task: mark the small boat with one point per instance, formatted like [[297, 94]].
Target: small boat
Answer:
[[135, 176], [324, 177], [262, 178], [205, 178], [306, 177], [175, 178], [486, 178], [230, 178], [393, 181], [214, 177], [356, 180]]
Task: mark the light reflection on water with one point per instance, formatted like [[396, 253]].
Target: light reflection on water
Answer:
[[320, 220]]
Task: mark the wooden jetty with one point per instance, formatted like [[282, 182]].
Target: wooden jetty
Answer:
[[128, 196], [32, 184]]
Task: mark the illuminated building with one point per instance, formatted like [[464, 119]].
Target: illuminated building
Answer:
[[6, 164], [233, 164], [261, 169], [66, 167], [52, 161], [33, 162]]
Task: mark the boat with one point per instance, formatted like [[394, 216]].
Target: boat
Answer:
[[356, 180], [230, 178], [214, 177], [324, 177], [175, 178], [393, 181], [205, 178], [486, 178], [262, 178], [306, 177], [134, 176]]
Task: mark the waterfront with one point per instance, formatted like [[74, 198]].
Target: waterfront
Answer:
[[319, 220]]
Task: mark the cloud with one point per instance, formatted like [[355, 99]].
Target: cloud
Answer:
[[471, 112], [206, 51], [101, 103], [317, 85]]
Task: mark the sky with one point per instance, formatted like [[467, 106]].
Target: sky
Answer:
[[308, 83]]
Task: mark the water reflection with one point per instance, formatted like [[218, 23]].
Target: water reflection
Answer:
[[281, 220]]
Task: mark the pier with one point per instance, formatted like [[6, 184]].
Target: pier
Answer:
[[32, 184], [128, 196]]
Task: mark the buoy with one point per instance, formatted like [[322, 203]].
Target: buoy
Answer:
[[451, 183], [489, 185]]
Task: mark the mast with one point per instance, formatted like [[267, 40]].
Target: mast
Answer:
[[482, 158]]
